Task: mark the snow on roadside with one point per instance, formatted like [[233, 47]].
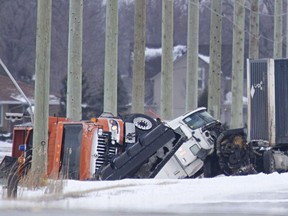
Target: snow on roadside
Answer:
[[155, 195]]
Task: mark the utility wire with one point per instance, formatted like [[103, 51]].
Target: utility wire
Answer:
[[246, 31]]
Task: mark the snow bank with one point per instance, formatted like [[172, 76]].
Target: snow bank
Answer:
[[154, 195]]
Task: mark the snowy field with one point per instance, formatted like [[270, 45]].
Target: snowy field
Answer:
[[259, 194]]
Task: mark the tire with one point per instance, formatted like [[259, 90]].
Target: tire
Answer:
[[143, 123], [268, 162], [211, 166]]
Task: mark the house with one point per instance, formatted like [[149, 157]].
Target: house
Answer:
[[153, 55], [179, 84], [179, 89], [11, 101]]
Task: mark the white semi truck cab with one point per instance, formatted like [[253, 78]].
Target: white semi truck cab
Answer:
[[201, 130], [186, 147]]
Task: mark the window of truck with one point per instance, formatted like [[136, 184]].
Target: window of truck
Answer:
[[70, 152], [198, 119]]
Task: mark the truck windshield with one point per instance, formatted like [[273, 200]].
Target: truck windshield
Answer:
[[198, 119], [70, 153]]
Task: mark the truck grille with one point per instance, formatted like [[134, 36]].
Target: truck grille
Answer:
[[105, 150]]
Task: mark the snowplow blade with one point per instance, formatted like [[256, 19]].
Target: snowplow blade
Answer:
[[128, 163]]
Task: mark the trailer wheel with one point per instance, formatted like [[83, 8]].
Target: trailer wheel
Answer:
[[12, 185], [143, 123], [268, 162]]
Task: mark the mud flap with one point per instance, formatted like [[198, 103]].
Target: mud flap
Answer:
[[268, 162]]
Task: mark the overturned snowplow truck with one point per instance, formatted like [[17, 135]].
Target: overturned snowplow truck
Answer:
[[135, 146]]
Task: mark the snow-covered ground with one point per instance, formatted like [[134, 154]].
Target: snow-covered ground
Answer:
[[259, 194]]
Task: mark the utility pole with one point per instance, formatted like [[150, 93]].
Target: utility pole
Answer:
[[74, 78], [42, 66], [111, 57], [138, 92], [238, 64], [286, 30], [167, 60], [214, 83], [254, 30], [278, 28], [192, 56]]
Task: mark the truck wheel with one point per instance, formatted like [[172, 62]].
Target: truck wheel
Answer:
[[268, 162], [143, 123], [12, 185]]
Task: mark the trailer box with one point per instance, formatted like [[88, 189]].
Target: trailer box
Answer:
[[267, 86]]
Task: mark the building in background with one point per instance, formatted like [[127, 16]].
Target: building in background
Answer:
[[11, 101], [179, 82]]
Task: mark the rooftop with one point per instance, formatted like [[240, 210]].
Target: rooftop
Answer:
[[10, 94]]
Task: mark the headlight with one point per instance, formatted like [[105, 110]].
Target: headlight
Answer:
[[100, 132], [114, 127]]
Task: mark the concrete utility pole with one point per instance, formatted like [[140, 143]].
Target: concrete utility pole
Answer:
[[74, 78], [254, 30], [278, 28], [111, 57], [238, 64], [214, 83], [42, 66], [167, 61], [286, 30], [138, 92], [192, 55]]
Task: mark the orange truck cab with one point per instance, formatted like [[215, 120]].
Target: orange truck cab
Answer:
[[81, 148], [76, 149]]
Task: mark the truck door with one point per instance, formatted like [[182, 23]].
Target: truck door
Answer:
[[258, 93]]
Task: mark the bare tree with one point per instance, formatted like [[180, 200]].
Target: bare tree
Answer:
[[17, 38], [153, 34], [59, 44]]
